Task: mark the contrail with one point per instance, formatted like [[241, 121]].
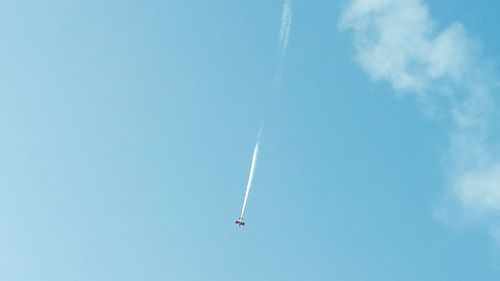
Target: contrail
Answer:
[[250, 176], [283, 38], [286, 24]]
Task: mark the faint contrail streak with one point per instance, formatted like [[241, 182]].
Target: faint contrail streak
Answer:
[[286, 24], [250, 176], [283, 38]]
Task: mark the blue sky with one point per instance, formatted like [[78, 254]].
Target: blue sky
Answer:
[[127, 128]]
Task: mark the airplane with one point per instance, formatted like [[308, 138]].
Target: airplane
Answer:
[[240, 222]]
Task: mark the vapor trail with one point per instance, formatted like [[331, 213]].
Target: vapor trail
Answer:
[[283, 38], [250, 176], [286, 24]]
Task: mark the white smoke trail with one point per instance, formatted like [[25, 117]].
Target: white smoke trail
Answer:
[[396, 41], [283, 38], [250, 176], [286, 24]]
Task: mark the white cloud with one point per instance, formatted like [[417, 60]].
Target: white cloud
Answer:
[[397, 41], [480, 191]]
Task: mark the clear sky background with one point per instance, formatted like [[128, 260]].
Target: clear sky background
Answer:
[[126, 133]]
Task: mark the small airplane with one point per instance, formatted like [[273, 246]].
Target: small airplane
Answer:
[[240, 222]]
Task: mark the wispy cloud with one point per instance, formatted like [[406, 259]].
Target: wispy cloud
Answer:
[[397, 41]]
